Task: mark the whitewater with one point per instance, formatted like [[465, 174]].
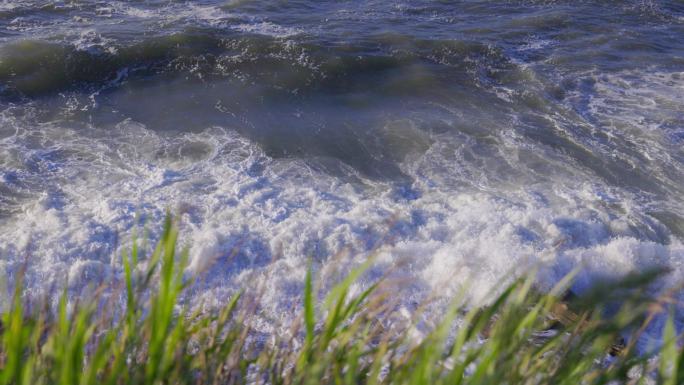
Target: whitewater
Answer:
[[459, 143]]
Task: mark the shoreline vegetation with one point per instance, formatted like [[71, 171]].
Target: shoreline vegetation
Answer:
[[523, 336]]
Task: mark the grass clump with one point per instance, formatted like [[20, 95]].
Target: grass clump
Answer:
[[523, 337]]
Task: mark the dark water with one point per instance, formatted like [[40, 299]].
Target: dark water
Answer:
[[483, 137]]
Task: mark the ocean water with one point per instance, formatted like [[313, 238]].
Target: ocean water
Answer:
[[458, 142]]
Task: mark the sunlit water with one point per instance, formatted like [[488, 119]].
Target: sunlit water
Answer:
[[462, 142]]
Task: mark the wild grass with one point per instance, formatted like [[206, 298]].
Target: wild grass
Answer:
[[522, 337]]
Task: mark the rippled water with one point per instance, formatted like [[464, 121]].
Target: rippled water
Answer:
[[462, 141]]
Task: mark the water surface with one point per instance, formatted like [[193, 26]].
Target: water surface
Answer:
[[463, 139]]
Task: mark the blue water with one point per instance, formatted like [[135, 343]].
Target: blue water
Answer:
[[462, 141]]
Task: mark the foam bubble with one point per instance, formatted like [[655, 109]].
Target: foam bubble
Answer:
[[268, 28], [249, 218]]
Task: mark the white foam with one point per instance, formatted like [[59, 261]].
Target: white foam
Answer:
[[268, 28], [249, 218]]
